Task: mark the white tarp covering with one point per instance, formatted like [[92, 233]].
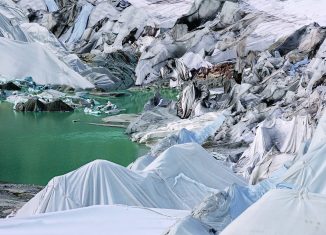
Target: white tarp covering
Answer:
[[100, 11], [153, 132], [302, 11], [219, 210], [316, 68], [179, 178], [262, 37], [306, 175], [131, 18], [285, 136], [282, 211], [52, 5], [115, 219], [165, 13], [35, 61], [309, 172], [80, 23], [10, 19], [33, 4], [304, 206], [41, 35], [284, 17], [182, 137], [10, 30], [194, 61], [10, 10]]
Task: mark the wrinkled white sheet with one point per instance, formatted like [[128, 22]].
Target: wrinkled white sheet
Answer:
[[165, 13], [173, 127], [309, 172], [99, 220], [37, 62], [194, 61], [285, 136], [33, 4], [80, 23], [316, 68], [271, 213], [100, 11], [179, 178], [10, 10], [282, 212], [302, 11], [51, 5], [41, 35], [182, 137], [263, 37], [304, 205], [10, 30], [219, 210]]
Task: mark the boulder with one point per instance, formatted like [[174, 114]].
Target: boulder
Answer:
[[58, 106], [10, 86], [34, 105]]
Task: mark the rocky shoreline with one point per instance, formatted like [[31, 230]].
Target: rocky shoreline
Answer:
[[14, 196]]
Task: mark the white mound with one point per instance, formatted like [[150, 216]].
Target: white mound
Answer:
[[282, 212], [293, 10], [179, 178], [165, 13], [117, 219], [37, 62]]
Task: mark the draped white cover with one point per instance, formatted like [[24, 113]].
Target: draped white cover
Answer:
[[179, 178], [37, 62], [99, 220], [282, 212]]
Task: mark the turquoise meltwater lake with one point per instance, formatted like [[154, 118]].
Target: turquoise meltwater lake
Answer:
[[34, 147]]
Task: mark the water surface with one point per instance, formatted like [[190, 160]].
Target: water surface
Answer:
[[34, 147]]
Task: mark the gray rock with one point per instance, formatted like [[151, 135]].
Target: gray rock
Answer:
[[14, 196]]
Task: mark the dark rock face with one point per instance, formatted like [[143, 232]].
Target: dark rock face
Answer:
[[58, 106], [156, 101], [20, 107], [14, 196], [35, 105], [10, 86]]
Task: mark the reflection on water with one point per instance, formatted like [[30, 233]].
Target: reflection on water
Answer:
[[34, 147]]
